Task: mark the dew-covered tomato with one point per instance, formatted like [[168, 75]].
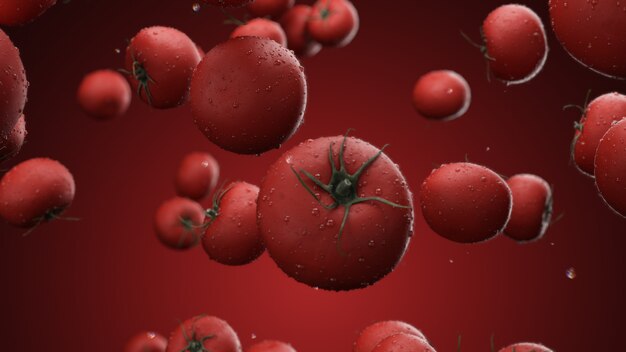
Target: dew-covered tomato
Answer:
[[592, 32], [160, 62], [532, 208], [269, 8], [12, 144], [596, 120], [372, 335], [248, 95], [403, 343], [295, 24], [228, 3], [526, 347], [232, 236], [335, 213], [35, 191], [465, 202], [13, 83], [178, 223], [262, 28], [442, 95], [610, 167], [271, 346], [204, 333], [19, 12], [104, 94], [197, 175], [333, 23], [146, 342]]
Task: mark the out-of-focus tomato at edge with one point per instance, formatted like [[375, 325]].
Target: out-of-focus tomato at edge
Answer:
[[91, 285]]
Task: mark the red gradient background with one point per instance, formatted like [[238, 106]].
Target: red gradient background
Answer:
[[90, 285]]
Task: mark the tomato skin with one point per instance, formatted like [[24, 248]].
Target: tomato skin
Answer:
[[516, 41], [295, 24], [146, 342], [233, 238], [334, 23], [610, 167], [224, 337], [262, 28], [197, 175], [403, 343], [169, 57], [19, 12], [13, 83], [271, 346], [374, 334], [301, 236], [169, 227], [228, 3], [442, 95], [35, 189], [465, 202], [11, 145], [532, 208], [597, 119], [241, 110], [271, 8], [104, 94], [526, 347]]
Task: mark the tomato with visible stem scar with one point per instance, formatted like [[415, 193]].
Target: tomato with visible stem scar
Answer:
[[104, 94], [335, 213], [204, 333], [159, 64], [610, 167], [294, 22], [178, 223], [20, 12], [372, 335], [526, 347], [441, 95], [271, 346], [271, 8], [232, 235], [403, 343], [13, 83], [197, 175], [333, 23], [11, 145], [532, 208], [262, 28], [146, 342], [228, 3]]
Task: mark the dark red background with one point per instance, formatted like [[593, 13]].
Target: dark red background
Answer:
[[90, 285]]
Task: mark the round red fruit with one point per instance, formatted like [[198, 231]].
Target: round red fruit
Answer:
[[403, 343], [197, 175], [372, 335], [262, 28], [610, 167], [295, 22], [333, 22], [271, 8], [12, 144], [178, 223], [13, 83], [442, 95], [104, 94], [271, 346], [19, 12], [228, 3], [532, 208], [526, 347], [204, 333], [146, 342]]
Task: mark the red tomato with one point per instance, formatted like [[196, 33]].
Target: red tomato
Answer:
[[465, 202], [596, 120], [13, 83], [610, 167], [592, 32], [241, 110], [532, 208], [204, 333], [228, 3], [146, 342], [516, 46], [178, 223], [372, 335], [294, 22], [35, 191], [160, 62], [262, 28], [271, 346], [197, 175], [232, 236], [333, 22], [19, 12], [526, 347], [104, 94], [441, 95], [335, 227], [403, 343], [273, 8], [11, 145]]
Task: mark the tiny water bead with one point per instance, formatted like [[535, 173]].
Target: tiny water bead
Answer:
[[570, 273], [196, 7]]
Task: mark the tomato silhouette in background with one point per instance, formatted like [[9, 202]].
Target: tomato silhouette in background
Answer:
[[202, 333], [146, 342], [12, 144], [271, 346], [403, 343], [271, 8], [19, 12], [262, 28], [532, 208], [104, 94], [295, 24], [178, 223], [610, 167], [197, 175], [372, 335], [228, 3], [13, 83], [442, 95], [333, 23], [526, 347]]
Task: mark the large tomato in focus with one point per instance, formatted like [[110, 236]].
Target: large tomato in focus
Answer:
[[18, 12], [13, 83]]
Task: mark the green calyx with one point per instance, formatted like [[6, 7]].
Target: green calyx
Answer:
[[140, 73], [194, 343], [214, 211], [483, 50]]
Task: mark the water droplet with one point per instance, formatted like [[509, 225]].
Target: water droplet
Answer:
[[570, 273], [195, 7]]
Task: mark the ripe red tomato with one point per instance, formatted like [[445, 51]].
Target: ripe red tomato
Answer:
[[19, 12], [178, 223], [35, 191], [403, 343], [262, 28], [12, 144], [372, 335], [596, 120], [295, 24], [228, 3], [104, 94], [592, 32], [160, 62], [232, 236], [465, 202], [516, 46], [335, 227], [146, 342], [333, 22], [610, 167], [271, 346], [197, 175], [13, 83], [272, 8], [204, 333], [241, 110], [441, 95], [532, 208], [526, 347]]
